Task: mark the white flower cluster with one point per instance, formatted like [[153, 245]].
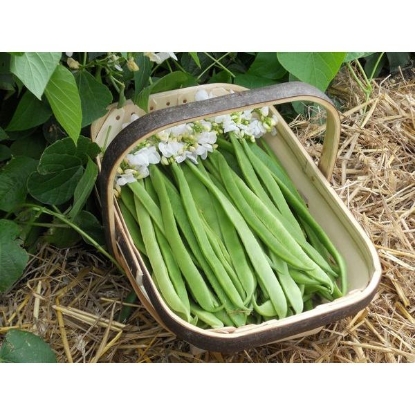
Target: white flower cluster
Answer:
[[193, 140]]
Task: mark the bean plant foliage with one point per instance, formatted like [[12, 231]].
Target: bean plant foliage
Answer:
[[48, 101]]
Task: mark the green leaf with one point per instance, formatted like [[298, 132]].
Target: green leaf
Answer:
[[221, 76], [63, 96], [5, 152], [60, 169], [91, 226], [95, 97], [54, 188], [351, 56], [29, 113], [267, 65], [3, 134], [64, 236], [398, 59], [61, 235], [85, 148], [84, 187], [13, 258], [13, 178], [24, 347], [252, 81], [142, 76], [35, 69], [374, 64], [31, 146], [173, 80], [4, 63], [315, 68], [195, 57]]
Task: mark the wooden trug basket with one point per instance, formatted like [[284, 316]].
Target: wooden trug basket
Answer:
[[176, 107]]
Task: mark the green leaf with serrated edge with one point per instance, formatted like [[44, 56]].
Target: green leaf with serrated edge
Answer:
[[24, 347], [29, 113], [63, 96], [252, 81], [266, 65], [84, 187], [95, 97], [315, 68], [54, 188], [35, 69], [13, 258], [13, 179]]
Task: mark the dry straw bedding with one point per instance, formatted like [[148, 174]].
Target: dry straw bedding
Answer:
[[72, 297]]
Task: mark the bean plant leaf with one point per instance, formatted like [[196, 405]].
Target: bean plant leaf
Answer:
[[91, 226], [173, 80], [83, 150], [13, 258], [398, 59], [142, 76], [351, 56], [3, 134], [24, 347], [5, 152], [30, 146], [13, 178], [35, 69], [252, 81], [196, 59], [267, 65], [60, 169], [95, 97], [315, 68], [84, 187], [66, 236], [29, 113], [63, 96], [55, 188]]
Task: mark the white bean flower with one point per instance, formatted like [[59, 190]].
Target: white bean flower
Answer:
[[205, 144], [126, 177], [144, 157], [160, 57]]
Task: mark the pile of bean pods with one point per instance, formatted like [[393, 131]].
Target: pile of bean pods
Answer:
[[227, 238]]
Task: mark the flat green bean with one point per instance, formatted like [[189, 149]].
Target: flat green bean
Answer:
[[160, 271], [195, 281], [204, 244], [252, 247]]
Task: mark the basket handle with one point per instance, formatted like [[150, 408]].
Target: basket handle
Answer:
[[162, 119]]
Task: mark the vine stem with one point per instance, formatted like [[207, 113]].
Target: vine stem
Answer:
[[68, 222]]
